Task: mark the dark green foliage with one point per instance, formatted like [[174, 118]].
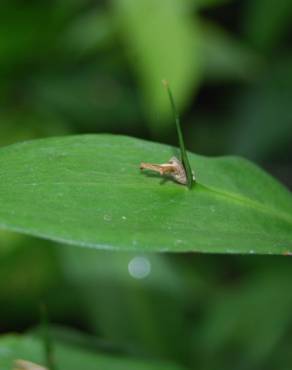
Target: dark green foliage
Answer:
[[83, 67]]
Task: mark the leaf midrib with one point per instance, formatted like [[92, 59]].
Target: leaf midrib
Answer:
[[248, 202]]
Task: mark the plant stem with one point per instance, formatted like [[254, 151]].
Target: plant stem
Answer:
[[47, 340], [183, 152]]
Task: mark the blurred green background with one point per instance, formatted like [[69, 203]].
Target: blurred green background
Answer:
[[90, 66]]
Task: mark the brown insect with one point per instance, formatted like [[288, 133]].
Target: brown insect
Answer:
[[173, 168]]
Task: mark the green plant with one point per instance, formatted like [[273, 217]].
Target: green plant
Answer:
[[88, 191], [79, 67]]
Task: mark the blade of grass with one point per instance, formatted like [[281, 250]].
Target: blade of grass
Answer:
[[47, 340], [183, 152]]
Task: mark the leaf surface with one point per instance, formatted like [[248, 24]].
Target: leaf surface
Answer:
[[68, 357], [88, 191]]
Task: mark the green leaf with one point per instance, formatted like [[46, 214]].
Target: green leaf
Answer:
[[225, 324], [225, 57], [256, 133], [162, 40], [88, 190], [68, 357]]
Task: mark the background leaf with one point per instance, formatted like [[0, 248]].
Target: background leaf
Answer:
[[266, 22], [165, 44], [68, 357], [224, 57], [262, 114], [87, 190]]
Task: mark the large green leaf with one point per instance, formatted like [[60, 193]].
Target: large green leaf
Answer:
[[88, 190], [67, 357]]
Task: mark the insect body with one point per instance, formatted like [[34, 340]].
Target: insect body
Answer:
[[173, 168]]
